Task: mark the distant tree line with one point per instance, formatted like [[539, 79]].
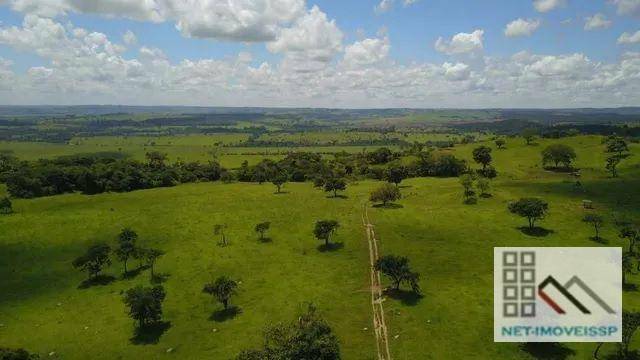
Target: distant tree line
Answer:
[[98, 173]]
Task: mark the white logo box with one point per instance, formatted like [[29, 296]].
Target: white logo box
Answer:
[[557, 294]]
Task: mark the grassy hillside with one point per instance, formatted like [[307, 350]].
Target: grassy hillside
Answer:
[[41, 307], [449, 243]]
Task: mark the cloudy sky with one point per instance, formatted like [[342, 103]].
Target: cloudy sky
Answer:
[[325, 53]]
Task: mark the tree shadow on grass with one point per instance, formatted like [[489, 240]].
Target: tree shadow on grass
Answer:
[[486, 196], [561, 169], [629, 287], [225, 314], [135, 272], [599, 240], [149, 334], [159, 278], [100, 280], [282, 192], [406, 297], [339, 196], [404, 186], [330, 247], [388, 206], [535, 231], [265, 240], [547, 351]]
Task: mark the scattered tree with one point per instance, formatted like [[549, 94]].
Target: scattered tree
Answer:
[[531, 208], [500, 143], [616, 145], [152, 256], [397, 269], [612, 164], [335, 184], [484, 185], [630, 323], [126, 246], [631, 234], [5, 206], [279, 179], [482, 155], [385, 193], [395, 174], [469, 194], [96, 258], [145, 304], [309, 337], [529, 135], [222, 289], [558, 154], [619, 150], [261, 228], [596, 221], [627, 266], [324, 229]]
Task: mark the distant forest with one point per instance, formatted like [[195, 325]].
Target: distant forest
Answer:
[[62, 123]]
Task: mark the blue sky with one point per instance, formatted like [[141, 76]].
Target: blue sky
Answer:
[[402, 43]]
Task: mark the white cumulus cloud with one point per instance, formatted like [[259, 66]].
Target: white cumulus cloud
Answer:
[[629, 38], [366, 52], [456, 72], [238, 20], [521, 27], [461, 43], [548, 5], [627, 7], [597, 21], [311, 42]]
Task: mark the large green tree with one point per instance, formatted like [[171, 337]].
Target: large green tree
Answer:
[[262, 228], [385, 193], [533, 209], [558, 154], [482, 155], [309, 337], [222, 289], [126, 246], [335, 184], [617, 150], [94, 260], [145, 304], [395, 174], [398, 270], [324, 229]]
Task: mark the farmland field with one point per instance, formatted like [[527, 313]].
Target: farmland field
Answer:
[[449, 243]]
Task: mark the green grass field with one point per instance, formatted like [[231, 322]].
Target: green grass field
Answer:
[[450, 244]]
